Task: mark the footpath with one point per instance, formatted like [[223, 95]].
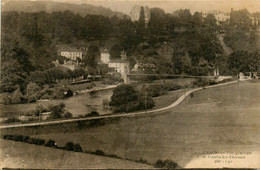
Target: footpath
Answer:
[[133, 114]]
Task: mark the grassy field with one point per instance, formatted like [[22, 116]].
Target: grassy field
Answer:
[[21, 155], [85, 103], [217, 119], [78, 105]]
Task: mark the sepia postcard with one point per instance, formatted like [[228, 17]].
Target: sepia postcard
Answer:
[[130, 84]]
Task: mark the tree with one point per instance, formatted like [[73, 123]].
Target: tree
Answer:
[[115, 51], [57, 111], [240, 19], [123, 94], [32, 92], [16, 96], [92, 57], [141, 25], [126, 99], [210, 22]]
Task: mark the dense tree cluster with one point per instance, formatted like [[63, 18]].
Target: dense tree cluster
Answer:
[[126, 99], [29, 43]]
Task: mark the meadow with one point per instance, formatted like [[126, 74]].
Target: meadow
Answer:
[[217, 119]]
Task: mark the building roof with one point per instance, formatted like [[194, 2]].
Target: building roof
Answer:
[[118, 61], [67, 48]]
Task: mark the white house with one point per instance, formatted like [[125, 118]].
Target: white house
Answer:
[[105, 56], [121, 66], [70, 53]]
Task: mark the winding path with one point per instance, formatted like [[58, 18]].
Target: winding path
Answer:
[[151, 112]]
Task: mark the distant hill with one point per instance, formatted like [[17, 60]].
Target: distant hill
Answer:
[[50, 6]]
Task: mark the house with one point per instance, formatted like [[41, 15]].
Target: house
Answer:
[[121, 66], [105, 56], [70, 53]]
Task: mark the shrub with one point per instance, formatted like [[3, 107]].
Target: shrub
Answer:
[[68, 115], [26, 139], [92, 114], [40, 141], [16, 96], [191, 95], [69, 146], [77, 148], [105, 103], [159, 164], [99, 152], [12, 120], [18, 138], [50, 143], [169, 164], [5, 98], [57, 111]]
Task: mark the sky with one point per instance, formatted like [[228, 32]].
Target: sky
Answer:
[[169, 6]]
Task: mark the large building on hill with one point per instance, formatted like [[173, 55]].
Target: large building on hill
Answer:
[[135, 13], [70, 53]]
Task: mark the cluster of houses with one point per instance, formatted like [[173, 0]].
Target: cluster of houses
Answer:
[[74, 56]]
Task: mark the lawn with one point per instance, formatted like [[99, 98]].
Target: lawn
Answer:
[[78, 105], [86, 102], [217, 119], [22, 155]]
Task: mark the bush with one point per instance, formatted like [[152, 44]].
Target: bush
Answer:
[[5, 98], [77, 148], [99, 152], [159, 164], [69, 146], [26, 139], [57, 111], [68, 115], [12, 120], [18, 138], [169, 164], [105, 103], [50, 143], [16, 96], [92, 114]]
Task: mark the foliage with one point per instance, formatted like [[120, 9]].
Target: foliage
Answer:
[[12, 120], [167, 164], [92, 114], [110, 79], [32, 92], [50, 143], [16, 96], [243, 61], [126, 99], [5, 98], [57, 111], [68, 115]]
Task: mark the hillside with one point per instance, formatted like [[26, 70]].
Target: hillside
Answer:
[[50, 6]]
